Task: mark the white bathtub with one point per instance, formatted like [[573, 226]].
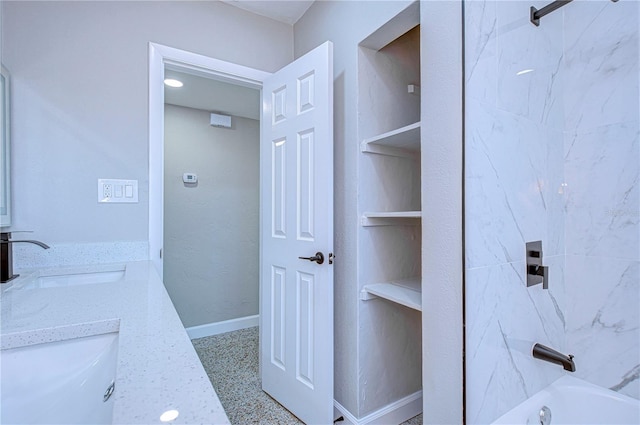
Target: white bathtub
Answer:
[[574, 401]]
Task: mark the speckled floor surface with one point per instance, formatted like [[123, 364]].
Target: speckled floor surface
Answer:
[[231, 362]]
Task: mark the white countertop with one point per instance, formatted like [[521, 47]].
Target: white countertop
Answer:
[[158, 369]]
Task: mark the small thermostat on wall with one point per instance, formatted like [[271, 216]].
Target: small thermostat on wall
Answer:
[[190, 178]]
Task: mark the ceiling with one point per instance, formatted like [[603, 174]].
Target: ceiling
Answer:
[[212, 95], [287, 11]]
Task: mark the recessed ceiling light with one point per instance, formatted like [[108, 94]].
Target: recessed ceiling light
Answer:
[[171, 82]]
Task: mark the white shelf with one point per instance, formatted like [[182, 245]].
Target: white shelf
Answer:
[[406, 292], [403, 142], [390, 218]]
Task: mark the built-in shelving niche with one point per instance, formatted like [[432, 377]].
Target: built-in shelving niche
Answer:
[[389, 238], [389, 204], [390, 183]]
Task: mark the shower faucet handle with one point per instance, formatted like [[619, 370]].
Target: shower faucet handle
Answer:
[[543, 271], [536, 272]]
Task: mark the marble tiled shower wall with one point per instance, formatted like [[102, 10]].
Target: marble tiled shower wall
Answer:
[[551, 154], [602, 162]]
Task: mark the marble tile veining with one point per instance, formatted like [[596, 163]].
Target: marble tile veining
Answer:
[[604, 321], [512, 186], [505, 319], [481, 51], [552, 153], [603, 191], [601, 45], [530, 59]]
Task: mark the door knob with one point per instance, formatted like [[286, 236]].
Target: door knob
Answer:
[[318, 258]]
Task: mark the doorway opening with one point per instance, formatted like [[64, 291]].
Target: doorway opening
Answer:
[[160, 58], [180, 134], [295, 166], [211, 202], [204, 234]]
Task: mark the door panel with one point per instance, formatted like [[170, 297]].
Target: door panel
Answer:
[[305, 179], [296, 329], [277, 317]]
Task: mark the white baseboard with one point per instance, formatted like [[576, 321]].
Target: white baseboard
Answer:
[[393, 413], [210, 329]]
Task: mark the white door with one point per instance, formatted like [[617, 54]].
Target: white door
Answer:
[[296, 178]]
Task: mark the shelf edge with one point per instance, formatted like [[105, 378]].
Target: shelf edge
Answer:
[[392, 292]]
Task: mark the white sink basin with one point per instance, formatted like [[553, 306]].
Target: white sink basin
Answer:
[[61, 382], [55, 281], [57, 278]]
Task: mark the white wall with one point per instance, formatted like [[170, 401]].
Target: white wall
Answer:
[[211, 229], [356, 376], [441, 108], [80, 102]]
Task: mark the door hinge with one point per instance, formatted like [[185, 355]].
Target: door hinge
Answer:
[[160, 252]]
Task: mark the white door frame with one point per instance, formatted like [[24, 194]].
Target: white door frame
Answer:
[[159, 57]]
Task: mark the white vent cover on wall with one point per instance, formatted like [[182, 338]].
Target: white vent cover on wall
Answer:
[[218, 120]]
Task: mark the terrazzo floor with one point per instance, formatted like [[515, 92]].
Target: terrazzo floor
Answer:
[[231, 362]]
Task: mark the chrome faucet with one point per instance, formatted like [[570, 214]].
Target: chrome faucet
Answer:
[[545, 353], [6, 255]]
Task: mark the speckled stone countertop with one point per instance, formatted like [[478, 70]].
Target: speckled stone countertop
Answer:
[[157, 370]]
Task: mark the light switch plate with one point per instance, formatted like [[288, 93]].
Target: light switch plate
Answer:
[[117, 191]]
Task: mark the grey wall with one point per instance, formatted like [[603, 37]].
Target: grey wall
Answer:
[[80, 101], [211, 229], [327, 20]]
